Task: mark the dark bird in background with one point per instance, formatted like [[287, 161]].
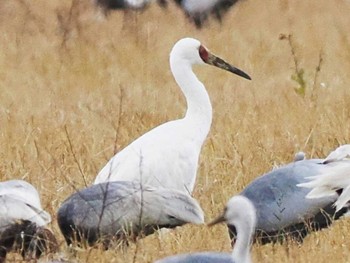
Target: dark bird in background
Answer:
[[122, 4], [197, 11]]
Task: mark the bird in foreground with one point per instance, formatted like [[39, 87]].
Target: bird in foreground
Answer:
[[282, 207], [123, 211], [22, 221], [239, 212], [334, 180], [199, 11], [167, 156]]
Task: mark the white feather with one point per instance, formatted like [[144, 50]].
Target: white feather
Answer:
[[343, 199], [335, 176], [19, 200], [338, 154]]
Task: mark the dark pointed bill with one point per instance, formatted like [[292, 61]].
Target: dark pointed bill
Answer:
[[219, 219], [220, 63]]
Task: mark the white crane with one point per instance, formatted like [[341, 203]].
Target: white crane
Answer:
[[240, 213], [167, 156], [335, 179]]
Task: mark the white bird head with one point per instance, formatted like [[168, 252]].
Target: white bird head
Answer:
[[192, 51], [239, 209]]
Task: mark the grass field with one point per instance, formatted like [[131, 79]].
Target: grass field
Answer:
[[76, 88]]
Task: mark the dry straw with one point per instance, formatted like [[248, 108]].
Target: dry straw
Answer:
[[76, 88]]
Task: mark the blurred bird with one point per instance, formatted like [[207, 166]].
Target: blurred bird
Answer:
[[137, 5], [22, 221], [123, 4], [239, 212], [282, 207], [122, 211], [199, 11], [335, 179], [167, 156]]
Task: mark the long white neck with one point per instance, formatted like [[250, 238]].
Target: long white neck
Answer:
[[199, 109], [241, 251]]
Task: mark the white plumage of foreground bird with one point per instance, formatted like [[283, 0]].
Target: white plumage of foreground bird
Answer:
[[22, 220], [239, 212], [334, 179], [167, 156]]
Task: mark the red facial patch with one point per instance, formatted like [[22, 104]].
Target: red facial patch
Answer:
[[203, 53]]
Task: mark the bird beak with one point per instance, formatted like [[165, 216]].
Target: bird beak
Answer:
[[217, 220], [220, 63]]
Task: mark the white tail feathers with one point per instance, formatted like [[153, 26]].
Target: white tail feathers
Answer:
[[343, 199], [318, 191], [334, 175], [338, 154]]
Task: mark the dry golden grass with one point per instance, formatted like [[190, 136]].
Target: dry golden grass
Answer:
[[69, 77]]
